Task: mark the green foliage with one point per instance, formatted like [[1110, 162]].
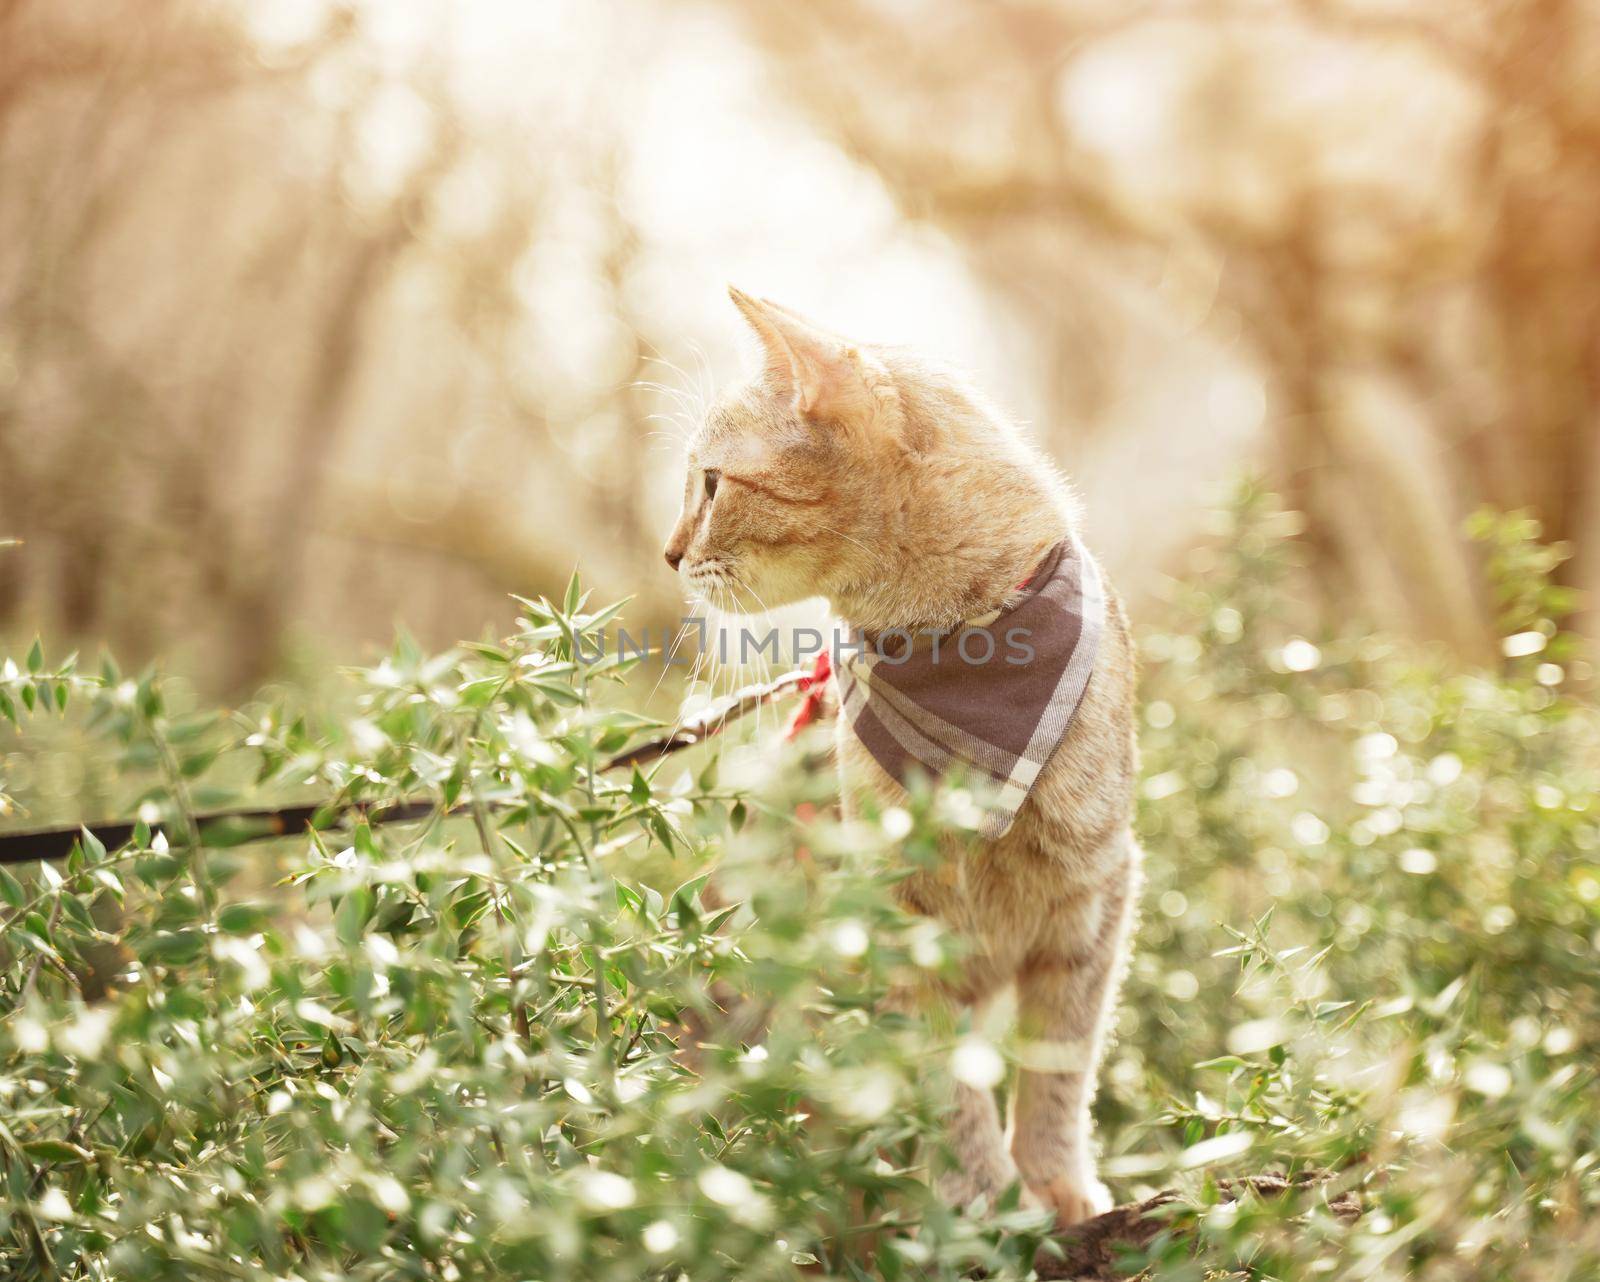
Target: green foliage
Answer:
[[1405, 860], [525, 1038], [458, 1048]]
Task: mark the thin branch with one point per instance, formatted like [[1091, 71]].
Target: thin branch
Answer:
[[1094, 1251]]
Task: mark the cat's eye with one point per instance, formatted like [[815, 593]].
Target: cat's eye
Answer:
[[712, 477]]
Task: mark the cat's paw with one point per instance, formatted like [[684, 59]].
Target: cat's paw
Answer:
[[1074, 1199]]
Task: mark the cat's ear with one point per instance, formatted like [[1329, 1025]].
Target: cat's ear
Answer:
[[827, 378]]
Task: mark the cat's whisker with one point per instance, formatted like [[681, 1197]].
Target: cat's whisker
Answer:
[[680, 421], [654, 357], [672, 653], [705, 661], [695, 396], [685, 399], [708, 659], [850, 538], [764, 667], [735, 665], [673, 440], [706, 382]]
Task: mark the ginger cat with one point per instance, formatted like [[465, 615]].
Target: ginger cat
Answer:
[[871, 478]]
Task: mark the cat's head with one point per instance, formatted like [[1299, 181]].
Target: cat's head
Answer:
[[860, 474], [792, 477]]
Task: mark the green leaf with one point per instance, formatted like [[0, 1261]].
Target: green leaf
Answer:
[[35, 656], [197, 763], [110, 881], [662, 830], [394, 916], [685, 900], [156, 869], [708, 775], [172, 947], [73, 906], [10, 889], [454, 782], [350, 918], [243, 918], [56, 1151]]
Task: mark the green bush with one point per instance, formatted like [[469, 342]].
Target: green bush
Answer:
[[524, 1038]]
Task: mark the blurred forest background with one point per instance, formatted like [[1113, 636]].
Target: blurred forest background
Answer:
[[319, 317], [316, 317]]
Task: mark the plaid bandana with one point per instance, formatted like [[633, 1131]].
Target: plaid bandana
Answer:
[[994, 698]]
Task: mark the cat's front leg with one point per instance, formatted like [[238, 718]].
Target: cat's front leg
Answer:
[[1064, 1002], [979, 1167], [983, 1169], [1051, 1130]]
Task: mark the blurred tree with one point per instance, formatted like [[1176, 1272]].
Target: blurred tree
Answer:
[[1420, 292], [257, 297], [162, 240], [300, 319]]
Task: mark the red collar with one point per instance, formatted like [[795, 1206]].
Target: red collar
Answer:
[[815, 688]]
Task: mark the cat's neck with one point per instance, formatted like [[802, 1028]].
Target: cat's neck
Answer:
[[954, 567]]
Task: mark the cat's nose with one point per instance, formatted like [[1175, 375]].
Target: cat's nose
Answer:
[[674, 556]]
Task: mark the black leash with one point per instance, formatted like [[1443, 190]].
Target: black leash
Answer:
[[238, 827]]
